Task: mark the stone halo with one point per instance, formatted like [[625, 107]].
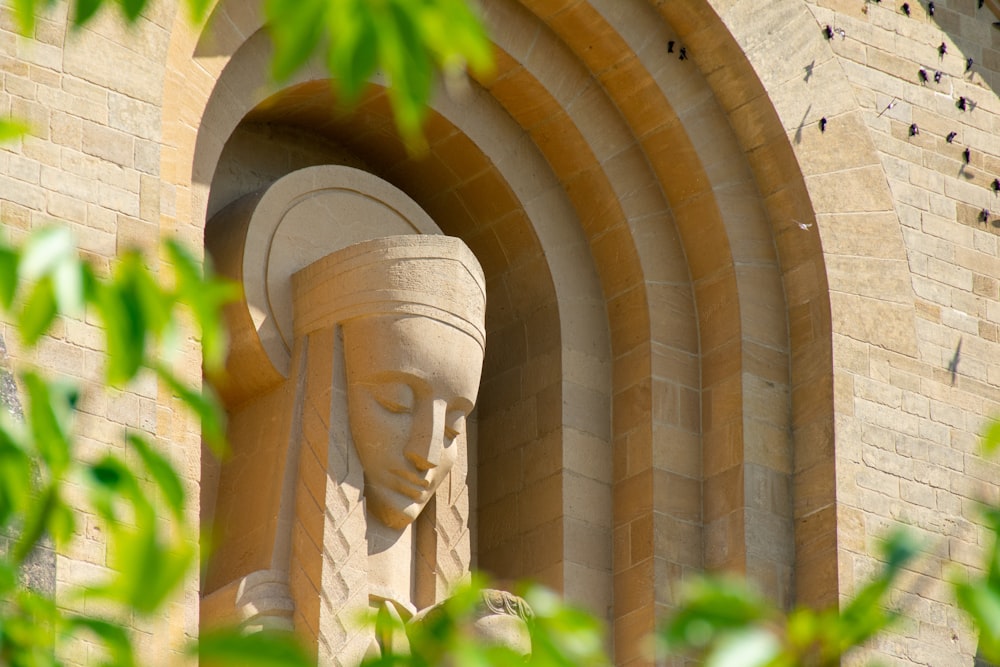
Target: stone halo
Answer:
[[263, 238]]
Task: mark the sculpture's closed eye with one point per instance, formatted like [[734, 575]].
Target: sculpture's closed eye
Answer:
[[396, 397]]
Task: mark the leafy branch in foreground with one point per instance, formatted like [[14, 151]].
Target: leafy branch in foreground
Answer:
[[407, 40], [726, 624], [149, 555], [559, 634], [979, 595]]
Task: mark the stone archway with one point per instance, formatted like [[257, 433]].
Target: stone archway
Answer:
[[704, 313], [522, 392]]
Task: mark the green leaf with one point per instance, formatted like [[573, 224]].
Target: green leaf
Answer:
[[35, 521], [407, 40], [408, 67], [110, 480], [205, 404], [9, 260], [296, 29], [8, 577], [15, 479], [84, 10], [991, 438], [114, 638], [108, 473], [353, 51], [899, 549], [457, 33], [138, 561], [39, 311], [260, 649], [45, 250], [125, 331], [155, 304], [132, 8], [11, 129], [24, 11], [161, 570], [712, 605], [749, 647], [197, 10], [68, 278], [205, 298], [49, 417], [148, 562], [982, 604], [163, 473], [802, 627], [62, 522], [867, 614]]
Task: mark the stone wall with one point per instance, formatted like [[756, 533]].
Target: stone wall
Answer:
[[911, 454], [93, 162]]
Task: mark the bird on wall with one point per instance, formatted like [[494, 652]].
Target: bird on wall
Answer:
[[922, 75], [822, 124], [951, 137], [906, 8], [966, 155], [930, 8], [914, 130], [943, 49]]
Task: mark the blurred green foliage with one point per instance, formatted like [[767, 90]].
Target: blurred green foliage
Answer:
[[46, 481], [561, 635], [726, 623], [979, 594], [406, 40]]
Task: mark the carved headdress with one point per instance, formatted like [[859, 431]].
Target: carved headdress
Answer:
[[431, 276]]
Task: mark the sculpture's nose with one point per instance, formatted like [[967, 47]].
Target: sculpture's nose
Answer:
[[426, 443]]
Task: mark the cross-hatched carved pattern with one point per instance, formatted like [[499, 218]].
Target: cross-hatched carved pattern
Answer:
[[452, 530], [345, 582], [344, 595]]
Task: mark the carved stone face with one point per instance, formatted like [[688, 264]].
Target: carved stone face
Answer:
[[411, 383]]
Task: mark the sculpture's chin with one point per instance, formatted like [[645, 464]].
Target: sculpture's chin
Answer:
[[392, 508]]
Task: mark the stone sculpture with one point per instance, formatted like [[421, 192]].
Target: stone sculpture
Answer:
[[410, 314], [352, 378]]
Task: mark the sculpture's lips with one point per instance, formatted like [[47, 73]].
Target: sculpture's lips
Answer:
[[411, 484]]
